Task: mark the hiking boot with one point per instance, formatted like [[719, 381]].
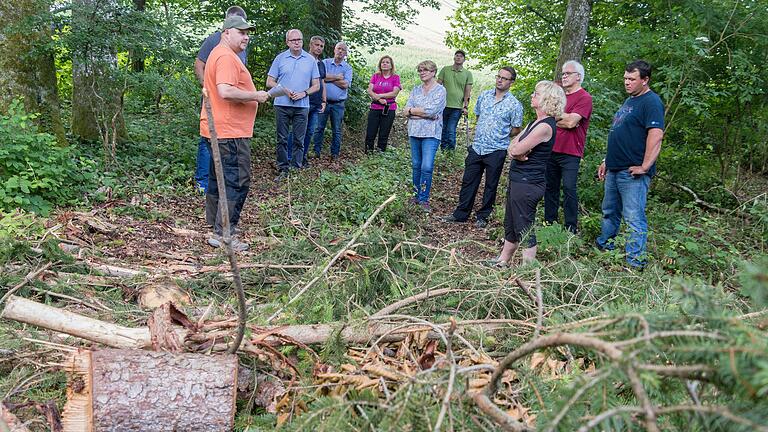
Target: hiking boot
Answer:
[[451, 219], [481, 223]]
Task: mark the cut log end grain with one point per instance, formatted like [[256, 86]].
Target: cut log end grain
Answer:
[[136, 390]]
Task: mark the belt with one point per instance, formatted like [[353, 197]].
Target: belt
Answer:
[[336, 101]]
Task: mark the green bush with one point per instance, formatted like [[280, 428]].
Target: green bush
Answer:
[[35, 173]]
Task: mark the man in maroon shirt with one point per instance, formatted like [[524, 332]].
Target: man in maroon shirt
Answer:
[[563, 165]]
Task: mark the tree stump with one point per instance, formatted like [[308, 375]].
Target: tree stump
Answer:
[[134, 390]]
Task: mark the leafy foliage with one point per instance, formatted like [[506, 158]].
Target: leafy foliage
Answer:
[[36, 173]]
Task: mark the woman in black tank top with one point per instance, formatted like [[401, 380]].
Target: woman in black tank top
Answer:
[[529, 152]]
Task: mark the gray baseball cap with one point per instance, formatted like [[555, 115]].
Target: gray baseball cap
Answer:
[[237, 22]]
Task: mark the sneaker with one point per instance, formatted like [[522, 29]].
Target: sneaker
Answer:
[[237, 245], [425, 206], [451, 219], [481, 223], [413, 201]]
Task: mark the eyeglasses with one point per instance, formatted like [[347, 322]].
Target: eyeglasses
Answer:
[[295, 40], [565, 74], [499, 77], [424, 70]]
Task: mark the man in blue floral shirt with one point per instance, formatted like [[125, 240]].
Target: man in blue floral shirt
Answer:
[[499, 117]]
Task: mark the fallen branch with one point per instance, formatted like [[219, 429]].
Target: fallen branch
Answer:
[[387, 310], [27, 279], [335, 257], [706, 205], [116, 336]]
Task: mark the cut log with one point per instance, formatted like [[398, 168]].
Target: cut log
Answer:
[[133, 390], [38, 314]]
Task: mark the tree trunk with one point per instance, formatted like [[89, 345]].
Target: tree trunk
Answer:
[[574, 33], [96, 89], [137, 54], [132, 390], [27, 69], [327, 16]]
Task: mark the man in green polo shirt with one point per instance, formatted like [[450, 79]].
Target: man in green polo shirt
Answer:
[[458, 85]]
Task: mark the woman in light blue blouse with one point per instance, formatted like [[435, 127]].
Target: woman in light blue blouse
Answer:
[[424, 111]]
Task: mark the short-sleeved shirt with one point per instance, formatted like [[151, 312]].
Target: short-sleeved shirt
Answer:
[[454, 81], [210, 43], [316, 98], [433, 104], [294, 72], [495, 120], [231, 119], [333, 92], [534, 169], [571, 141], [629, 131], [383, 85]]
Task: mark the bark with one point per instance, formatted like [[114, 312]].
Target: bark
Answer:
[[574, 33], [27, 69], [133, 390]]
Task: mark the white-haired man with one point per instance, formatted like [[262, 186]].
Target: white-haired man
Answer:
[[295, 70], [338, 78], [563, 165]]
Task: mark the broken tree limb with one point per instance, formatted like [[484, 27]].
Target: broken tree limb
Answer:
[[116, 336], [27, 279], [413, 299], [144, 390], [335, 257], [48, 317]]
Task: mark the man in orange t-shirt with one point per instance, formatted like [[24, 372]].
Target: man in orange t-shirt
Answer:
[[234, 101]]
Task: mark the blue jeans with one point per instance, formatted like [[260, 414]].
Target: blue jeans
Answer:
[[290, 120], [203, 163], [334, 110], [451, 118], [423, 162], [311, 124], [625, 196]]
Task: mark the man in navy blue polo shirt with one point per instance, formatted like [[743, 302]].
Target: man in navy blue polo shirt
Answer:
[[338, 78], [295, 71], [634, 143]]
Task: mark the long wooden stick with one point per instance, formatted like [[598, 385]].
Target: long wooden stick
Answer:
[[225, 228], [335, 257]]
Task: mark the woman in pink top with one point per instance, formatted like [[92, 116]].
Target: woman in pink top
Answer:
[[383, 89]]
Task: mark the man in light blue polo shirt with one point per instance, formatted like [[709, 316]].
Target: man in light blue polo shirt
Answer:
[[295, 71], [338, 78], [499, 117]]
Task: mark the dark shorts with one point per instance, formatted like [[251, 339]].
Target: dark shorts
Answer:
[[520, 212]]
